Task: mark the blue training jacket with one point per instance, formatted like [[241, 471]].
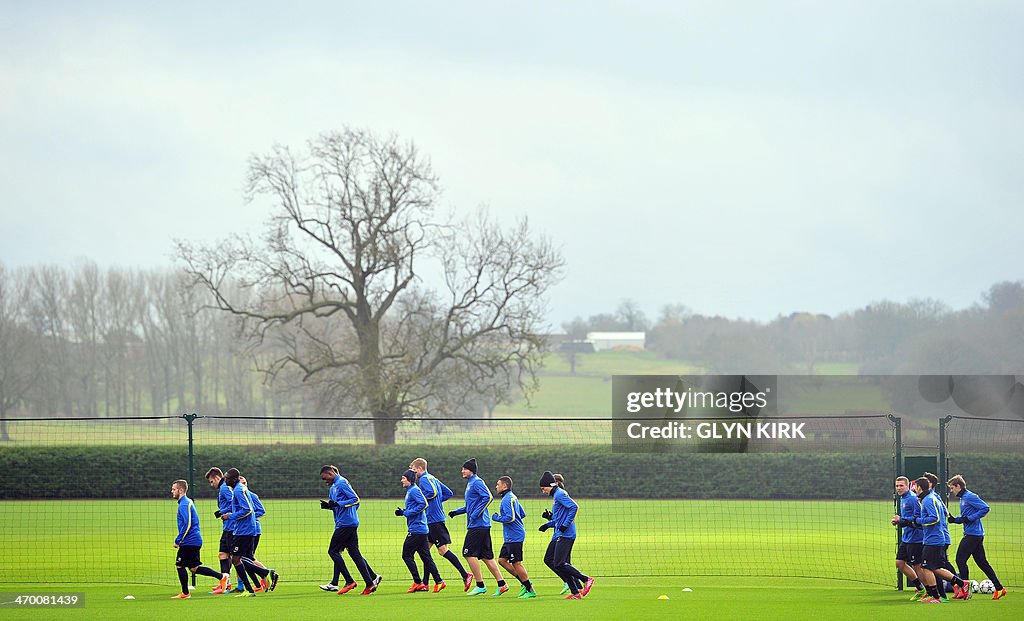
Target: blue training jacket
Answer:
[[415, 511], [436, 493], [188, 524], [347, 511], [563, 511], [243, 514], [511, 515], [972, 509], [224, 504], [932, 519], [910, 508], [477, 499], [258, 510]]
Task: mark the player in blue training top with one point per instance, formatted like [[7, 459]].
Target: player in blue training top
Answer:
[[972, 509], [344, 503], [243, 517], [563, 521], [415, 514], [436, 494], [189, 541], [510, 515], [908, 555], [216, 478], [259, 511], [934, 564], [478, 529]]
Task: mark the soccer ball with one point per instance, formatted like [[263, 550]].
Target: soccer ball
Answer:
[[975, 586], [986, 586]]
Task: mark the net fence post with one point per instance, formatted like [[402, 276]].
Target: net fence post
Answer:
[[189, 419], [943, 474], [897, 464]]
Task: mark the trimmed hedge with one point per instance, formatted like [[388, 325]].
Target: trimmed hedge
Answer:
[[288, 471]]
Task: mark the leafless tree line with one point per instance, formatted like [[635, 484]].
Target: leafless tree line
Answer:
[[84, 342]]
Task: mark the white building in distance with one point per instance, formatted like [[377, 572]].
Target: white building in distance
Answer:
[[604, 341]]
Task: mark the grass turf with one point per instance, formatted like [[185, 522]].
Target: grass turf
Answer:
[[130, 540], [613, 598]]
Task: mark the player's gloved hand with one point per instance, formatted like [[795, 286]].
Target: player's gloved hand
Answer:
[[328, 504], [452, 514], [951, 519], [544, 527], [217, 513], [547, 515], [398, 511], [562, 529]]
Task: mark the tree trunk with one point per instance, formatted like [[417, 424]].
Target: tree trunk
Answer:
[[384, 430]]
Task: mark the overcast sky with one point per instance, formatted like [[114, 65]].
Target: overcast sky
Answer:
[[743, 159]]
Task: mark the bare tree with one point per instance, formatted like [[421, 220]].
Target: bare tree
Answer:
[[19, 346], [340, 295], [632, 316]]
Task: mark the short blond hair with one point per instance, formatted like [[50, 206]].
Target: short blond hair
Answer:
[[419, 462]]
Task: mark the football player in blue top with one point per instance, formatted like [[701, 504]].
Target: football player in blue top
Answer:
[[344, 503], [510, 514], [436, 494], [189, 541], [972, 509], [908, 555], [563, 521], [415, 514], [478, 532], [216, 478]]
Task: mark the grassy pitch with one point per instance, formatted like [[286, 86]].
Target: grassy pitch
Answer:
[[110, 549]]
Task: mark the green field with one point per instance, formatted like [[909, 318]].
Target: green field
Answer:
[[611, 599], [588, 392], [772, 559]]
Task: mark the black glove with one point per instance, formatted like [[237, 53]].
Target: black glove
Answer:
[[562, 529], [544, 527], [398, 511], [547, 515], [217, 514], [328, 504], [452, 514]]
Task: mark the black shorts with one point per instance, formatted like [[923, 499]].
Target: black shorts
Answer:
[[344, 537], [478, 544], [909, 552], [256, 543], [227, 539], [512, 552], [243, 546], [934, 557], [438, 535], [188, 556]]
